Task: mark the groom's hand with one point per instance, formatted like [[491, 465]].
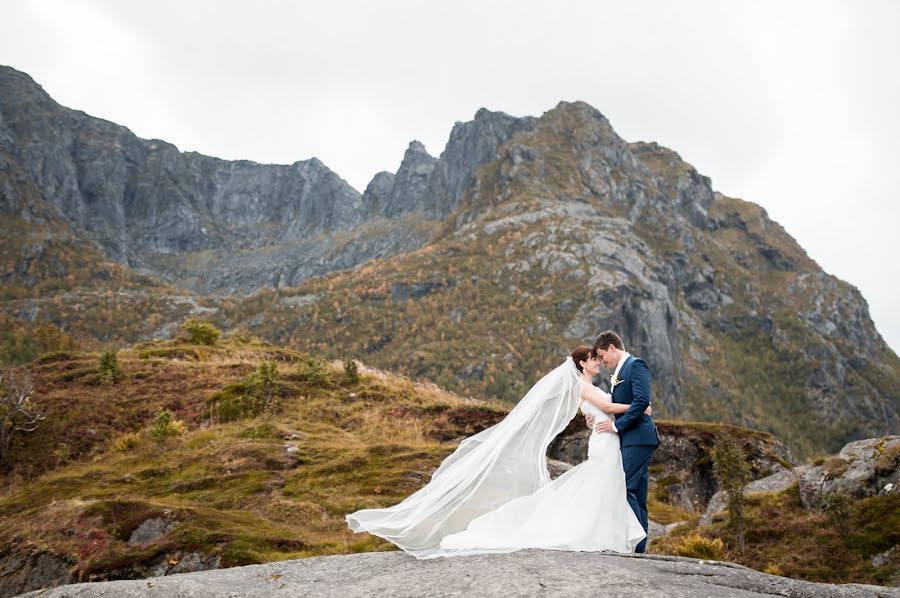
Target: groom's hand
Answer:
[[604, 426], [589, 419]]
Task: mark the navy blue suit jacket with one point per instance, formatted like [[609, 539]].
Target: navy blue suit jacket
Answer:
[[634, 426]]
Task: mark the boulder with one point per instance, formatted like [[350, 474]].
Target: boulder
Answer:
[[774, 483], [861, 469]]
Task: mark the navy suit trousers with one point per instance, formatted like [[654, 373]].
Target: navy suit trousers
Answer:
[[636, 462]]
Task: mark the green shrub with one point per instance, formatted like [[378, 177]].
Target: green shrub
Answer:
[[165, 425], [244, 337], [839, 509], [701, 547], [201, 332], [265, 380], [249, 397], [109, 370], [732, 471], [311, 370], [351, 372], [126, 442]]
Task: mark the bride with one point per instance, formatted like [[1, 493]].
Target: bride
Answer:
[[494, 494]]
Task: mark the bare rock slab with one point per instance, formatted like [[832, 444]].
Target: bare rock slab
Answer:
[[525, 573]]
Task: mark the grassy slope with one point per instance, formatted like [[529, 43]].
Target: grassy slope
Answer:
[[237, 492], [51, 274], [783, 538], [235, 489]]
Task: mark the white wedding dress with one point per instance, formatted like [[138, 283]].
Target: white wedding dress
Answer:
[[494, 493], [584, 509]]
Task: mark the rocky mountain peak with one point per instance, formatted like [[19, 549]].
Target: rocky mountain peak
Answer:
[[141, 199]]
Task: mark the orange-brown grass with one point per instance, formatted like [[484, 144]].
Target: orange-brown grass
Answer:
[[235, 489], [783, 537]]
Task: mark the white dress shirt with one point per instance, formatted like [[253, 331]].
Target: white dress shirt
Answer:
[[615, 374]]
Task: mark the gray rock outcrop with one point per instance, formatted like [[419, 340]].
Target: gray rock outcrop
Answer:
[[224, 227], [24, 572], [776, 482], [682, 465], [862, 468], [524, 573]]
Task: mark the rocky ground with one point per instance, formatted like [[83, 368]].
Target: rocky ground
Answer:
[[525, 573]]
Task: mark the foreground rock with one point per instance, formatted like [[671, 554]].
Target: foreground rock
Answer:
[[526, 573]]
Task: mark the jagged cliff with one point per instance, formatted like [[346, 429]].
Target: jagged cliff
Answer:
[[222, 226]]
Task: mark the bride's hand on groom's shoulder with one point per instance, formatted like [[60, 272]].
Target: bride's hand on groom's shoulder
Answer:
[[648, 411]]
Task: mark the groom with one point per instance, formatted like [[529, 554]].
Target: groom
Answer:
[[630, 384]]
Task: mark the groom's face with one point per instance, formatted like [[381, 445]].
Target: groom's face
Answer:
[[608, 357]]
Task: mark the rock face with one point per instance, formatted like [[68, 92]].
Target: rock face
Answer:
[[137, 197], [863, 468], [21, 573], [219, 226], [525, 573], [682, 466]]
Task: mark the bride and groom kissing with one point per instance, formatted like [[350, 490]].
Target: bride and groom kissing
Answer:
[[493, 494]]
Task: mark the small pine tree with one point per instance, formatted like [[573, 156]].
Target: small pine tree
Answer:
[[351, 371], [839, 509], [732, 471], [265, 381], [201, 332], [165, 425], [109, 370], [311, 369]]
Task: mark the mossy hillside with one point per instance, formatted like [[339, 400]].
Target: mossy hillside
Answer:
[[479, 326], [52, 276], [783, 538], [488, 327], [235, 489]]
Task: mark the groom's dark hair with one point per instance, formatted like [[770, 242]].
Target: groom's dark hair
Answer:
[[607, 338]]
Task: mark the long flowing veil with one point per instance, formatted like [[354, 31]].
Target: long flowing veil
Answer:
[[503, 462]]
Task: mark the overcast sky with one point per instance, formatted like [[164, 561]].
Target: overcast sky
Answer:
[[792, 105]]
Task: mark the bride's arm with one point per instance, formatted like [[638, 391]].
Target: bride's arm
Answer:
[[603, 401]]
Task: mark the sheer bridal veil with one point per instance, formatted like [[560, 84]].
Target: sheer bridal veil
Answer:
[[503, 462]]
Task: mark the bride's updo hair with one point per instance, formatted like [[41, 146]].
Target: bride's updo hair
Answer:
[[580, 354]]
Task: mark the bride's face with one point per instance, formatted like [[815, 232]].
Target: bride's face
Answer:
[[591, 366]]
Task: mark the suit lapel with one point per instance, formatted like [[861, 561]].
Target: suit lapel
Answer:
[[622, 374]]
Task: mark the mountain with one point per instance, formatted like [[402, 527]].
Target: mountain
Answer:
[[570, 230], [217, 226], [478, 269]]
